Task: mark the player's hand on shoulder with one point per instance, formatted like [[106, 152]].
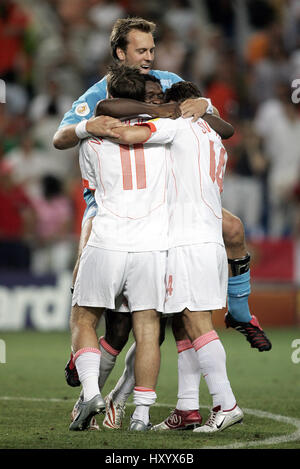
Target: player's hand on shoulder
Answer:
[[102, 126], [170, 110], [194, 107]]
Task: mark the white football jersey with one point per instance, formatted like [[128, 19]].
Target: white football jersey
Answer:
[[198, 161], [130, 184]]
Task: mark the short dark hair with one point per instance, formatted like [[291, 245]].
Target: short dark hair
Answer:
[[182, 90], [126, 82], [149, 77], [121, 28]]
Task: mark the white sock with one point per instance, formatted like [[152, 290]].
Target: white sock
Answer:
[[108, 360], [87, 361], [143, 399], [212, 360], [125, 385], [189, 375]]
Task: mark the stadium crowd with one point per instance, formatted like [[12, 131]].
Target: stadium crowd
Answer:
[[245, 56]]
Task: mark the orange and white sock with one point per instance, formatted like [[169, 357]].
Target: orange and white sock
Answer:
[[189, 375], [87, 362], [143, 398], [212, 361]]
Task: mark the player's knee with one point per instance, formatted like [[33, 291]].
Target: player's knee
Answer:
[[233, 231], [117, 342], [117, 329], [84, 317], [146, 328], [118, 337]]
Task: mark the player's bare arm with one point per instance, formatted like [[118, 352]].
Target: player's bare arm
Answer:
[[101, 126], [223, 128], [194, 106], [121, 107], [131, 134]]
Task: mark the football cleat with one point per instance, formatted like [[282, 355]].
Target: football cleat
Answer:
[[93, 424], [180, 420], [219, 420], [86, 410], [251, 330], [115, 413], [71, 374], [138, 425]]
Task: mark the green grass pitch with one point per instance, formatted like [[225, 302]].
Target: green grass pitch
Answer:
[[35, 401]]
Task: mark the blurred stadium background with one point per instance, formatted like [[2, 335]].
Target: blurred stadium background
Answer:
[[244, 55]]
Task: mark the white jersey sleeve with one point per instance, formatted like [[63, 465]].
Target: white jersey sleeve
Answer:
[[162, 130], [86, 167]]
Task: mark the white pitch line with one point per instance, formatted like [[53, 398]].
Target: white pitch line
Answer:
[[255, 412], [34, 399]]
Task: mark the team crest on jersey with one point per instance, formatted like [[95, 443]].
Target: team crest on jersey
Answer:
[[82, 109]]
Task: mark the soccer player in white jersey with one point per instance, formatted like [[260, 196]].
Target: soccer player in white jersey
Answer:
[[197, 264], [118, 325], [125, 254]]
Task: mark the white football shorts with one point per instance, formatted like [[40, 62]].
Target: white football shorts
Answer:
[[104, 276], [197, 277]]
